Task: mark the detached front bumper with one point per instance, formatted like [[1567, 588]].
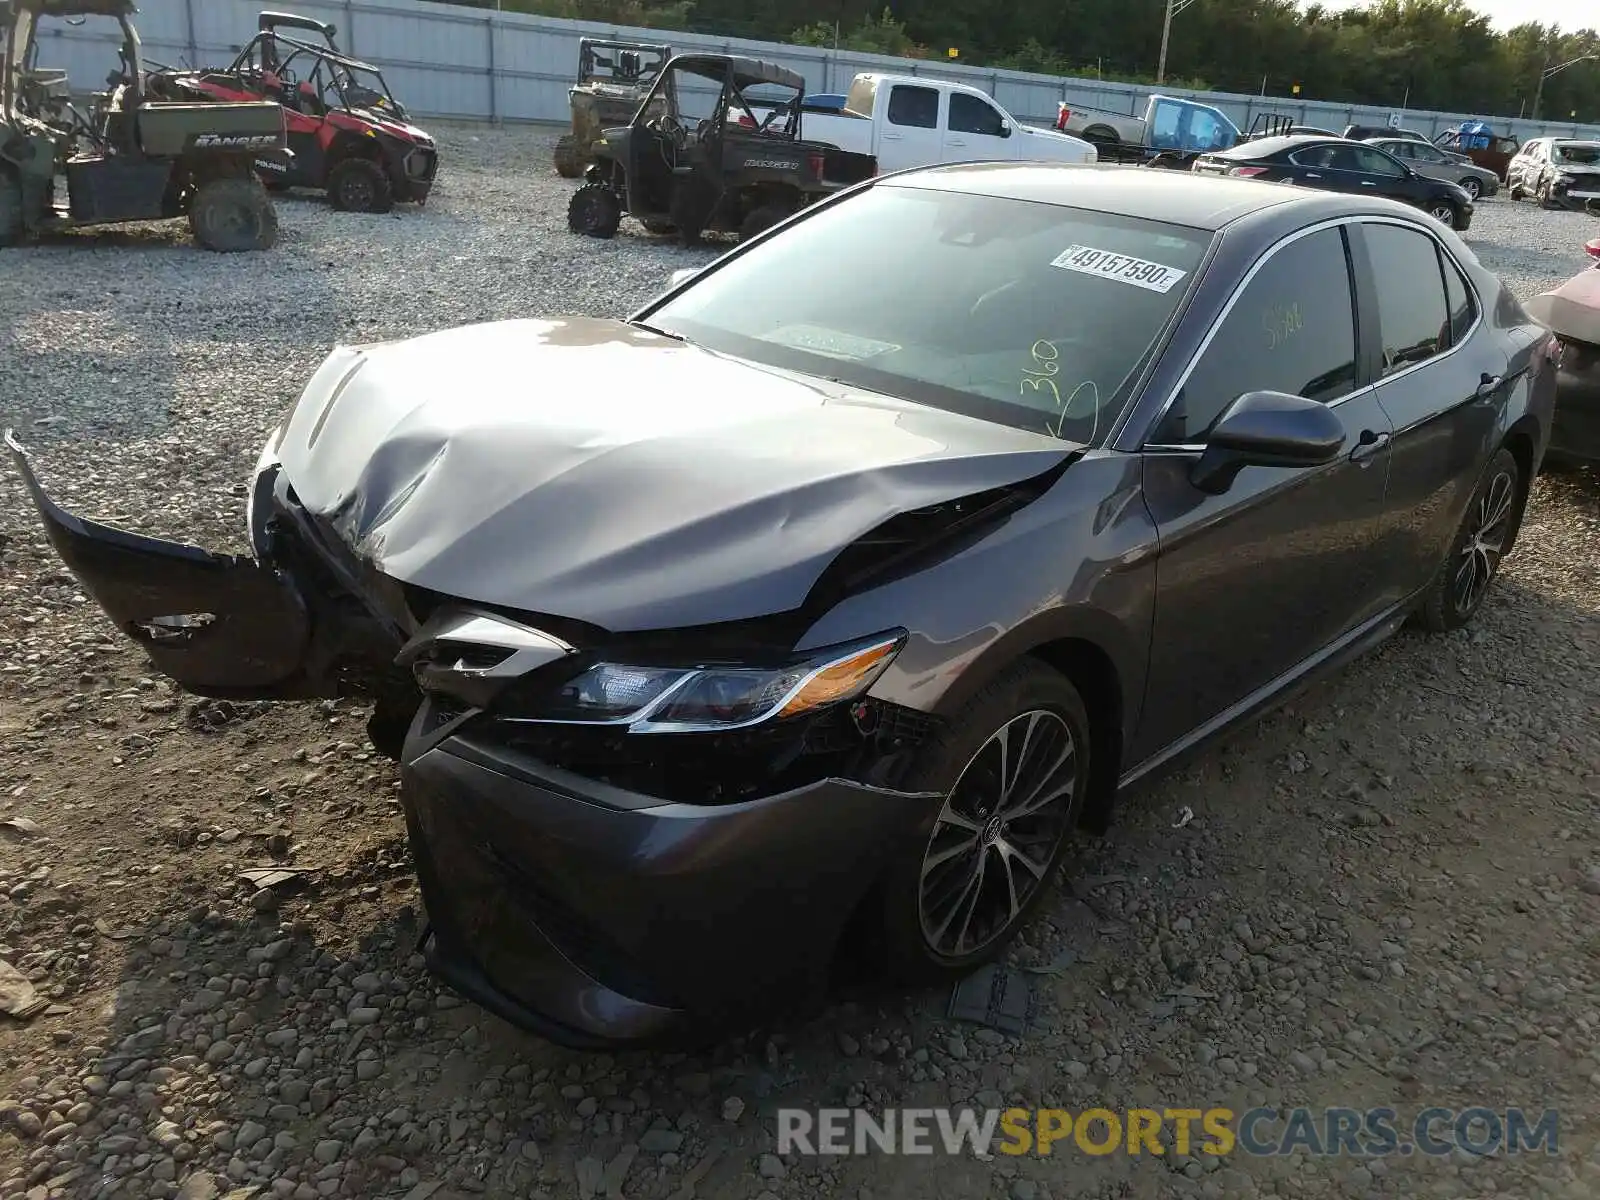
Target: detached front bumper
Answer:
[[219, 624], [596, 916]]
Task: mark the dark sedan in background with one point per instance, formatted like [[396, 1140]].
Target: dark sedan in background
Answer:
[[851, 592], [1339, 165]]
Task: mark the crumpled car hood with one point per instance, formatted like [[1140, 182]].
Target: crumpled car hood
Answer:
[[589, 469]]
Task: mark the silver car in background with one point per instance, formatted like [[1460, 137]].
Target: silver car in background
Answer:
[[1427, 159]]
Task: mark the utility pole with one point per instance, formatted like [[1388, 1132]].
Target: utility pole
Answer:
[[1174, 7], [1548, 71]]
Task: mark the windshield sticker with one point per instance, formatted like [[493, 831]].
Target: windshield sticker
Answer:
[[1141, 272], [831, 342]]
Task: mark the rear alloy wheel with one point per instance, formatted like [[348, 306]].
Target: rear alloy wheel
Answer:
[[762, 219], [1487, 531], [568, 165], [233, 215], [11, 224], [1472, 188], [594, 211], [1013, 768], [359, 185], [1444, 212]]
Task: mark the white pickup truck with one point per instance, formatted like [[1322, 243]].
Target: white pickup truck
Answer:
[[911, 121]]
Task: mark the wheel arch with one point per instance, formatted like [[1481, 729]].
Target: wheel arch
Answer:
[[1102, 658], [1522, 441]]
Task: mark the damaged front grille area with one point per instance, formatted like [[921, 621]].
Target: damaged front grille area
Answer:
[[868, 741]]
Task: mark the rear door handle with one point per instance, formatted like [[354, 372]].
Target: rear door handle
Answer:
[[893, 137], [1312, 175], [1369, 183], [1369, 445], [954, 142], [1488, 385]]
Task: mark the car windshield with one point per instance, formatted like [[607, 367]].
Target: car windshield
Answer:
[[1577, 153], [1030, 314]]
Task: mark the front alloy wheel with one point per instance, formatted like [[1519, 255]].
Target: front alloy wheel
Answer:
[[1012, 768], [994, 839]]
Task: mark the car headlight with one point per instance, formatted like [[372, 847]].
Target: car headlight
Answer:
[[1564, 180], [715, 698]]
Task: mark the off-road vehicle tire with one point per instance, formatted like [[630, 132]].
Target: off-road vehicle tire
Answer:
[[10, 208], [759, 220], [594, 211], [1487, 533], [359, 185], [1030, 724], [569, 165], [659, 228], [233, 215]]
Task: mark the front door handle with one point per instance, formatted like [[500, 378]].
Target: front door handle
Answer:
[[954, 142], [1369, 183], [1488, 385], [1369, 446], [1311, 175]]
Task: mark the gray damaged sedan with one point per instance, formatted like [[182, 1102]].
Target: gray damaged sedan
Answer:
[[811, 607]]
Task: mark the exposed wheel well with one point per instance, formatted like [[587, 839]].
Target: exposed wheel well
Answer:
[[1095, 677], [1100, 133]]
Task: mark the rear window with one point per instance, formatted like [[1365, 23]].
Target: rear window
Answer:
[[1029, 314]]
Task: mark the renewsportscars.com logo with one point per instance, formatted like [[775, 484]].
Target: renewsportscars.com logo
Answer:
[[1257, 1132]]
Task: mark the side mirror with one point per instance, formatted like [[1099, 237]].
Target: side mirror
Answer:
[[1267, 429], [1005, 128], [682, 276]]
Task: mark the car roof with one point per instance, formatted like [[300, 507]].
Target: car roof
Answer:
[[1267, 146], [1198, 201]]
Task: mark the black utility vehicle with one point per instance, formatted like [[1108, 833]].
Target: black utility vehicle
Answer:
[[697, 158]]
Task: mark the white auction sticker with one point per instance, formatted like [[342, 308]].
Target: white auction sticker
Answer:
[[1141, 272]]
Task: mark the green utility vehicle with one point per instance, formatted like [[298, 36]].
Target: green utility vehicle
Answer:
[[613, 78], [133, 158]]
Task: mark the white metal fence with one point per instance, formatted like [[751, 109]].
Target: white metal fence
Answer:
[[476, 64]]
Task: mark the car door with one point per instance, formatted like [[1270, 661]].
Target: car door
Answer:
[[976, 131], [1441, 387], [910, 135], [1264, 577], [1312, 166], [1382, 174]]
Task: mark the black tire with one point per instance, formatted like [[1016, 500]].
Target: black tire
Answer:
[[1445, 212], [759, 220], [568, 163], [1030, 701], [594, 211], [1486, 535], [1542, 195], [233, 215], [360, 185], [11, 224]]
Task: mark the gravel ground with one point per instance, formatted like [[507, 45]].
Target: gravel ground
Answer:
[[1386, 895]]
